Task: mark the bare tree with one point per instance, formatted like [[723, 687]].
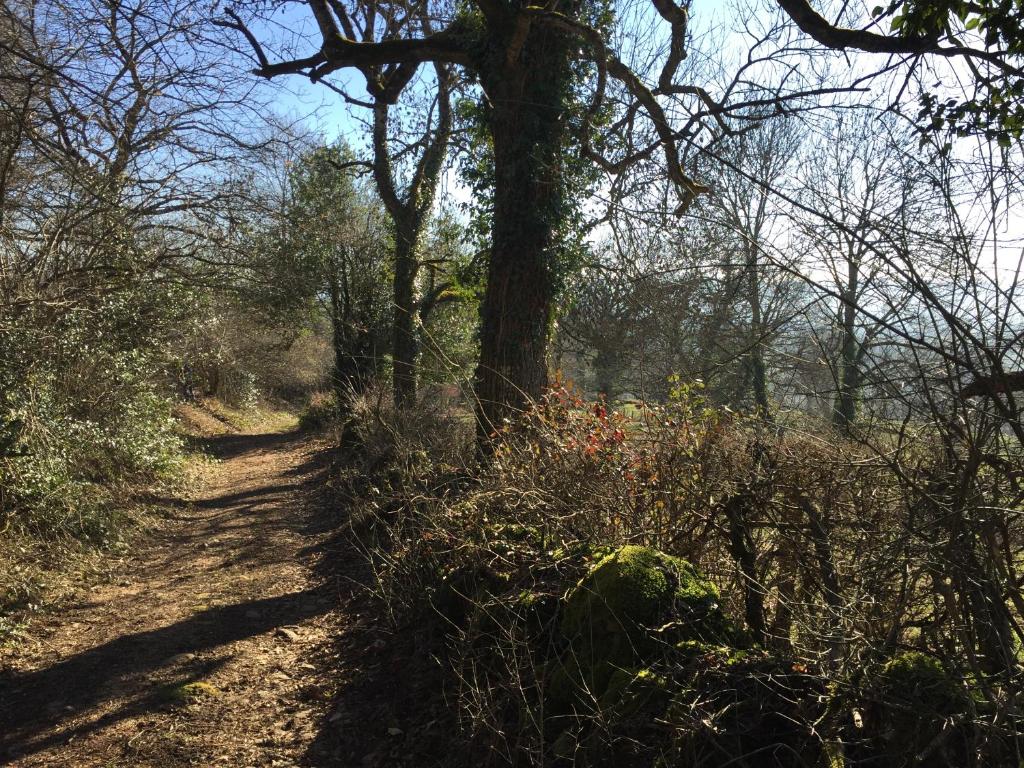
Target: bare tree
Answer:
[[529, 61], [123, 131], [744, 174], [862, 205]]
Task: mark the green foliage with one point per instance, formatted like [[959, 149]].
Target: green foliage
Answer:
[[329, 228], [87, 416], [631, 606], [321, 411], [638, 588], [327, 255], [591, 594], [555, 145], [449, 304], [996, 112], [916, 683]]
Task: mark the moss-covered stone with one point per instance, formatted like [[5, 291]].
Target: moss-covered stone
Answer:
[[636, 589], [745, 707], [631, 608], [907, 703]]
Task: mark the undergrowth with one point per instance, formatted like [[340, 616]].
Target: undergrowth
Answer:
[[682, 586]]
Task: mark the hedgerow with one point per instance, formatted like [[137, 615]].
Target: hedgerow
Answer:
[[780, 588]]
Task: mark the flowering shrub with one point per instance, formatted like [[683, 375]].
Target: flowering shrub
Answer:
[[652, 476]]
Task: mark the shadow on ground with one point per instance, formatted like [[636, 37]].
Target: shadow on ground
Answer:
[[391, 709], [41, 700], [230, 445], [46, 707]]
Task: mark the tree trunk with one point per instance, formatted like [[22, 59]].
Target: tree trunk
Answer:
[[849, 384], [744, 552], [758, 379], [607, 365], [404, 344], [759, 382], [341, 378], [514, 322], [528, 125], [831, 589], [409, 213], [845, 411]]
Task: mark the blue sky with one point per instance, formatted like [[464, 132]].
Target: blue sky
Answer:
[[325, 112]]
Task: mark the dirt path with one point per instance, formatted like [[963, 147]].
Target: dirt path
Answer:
[[212, 649]]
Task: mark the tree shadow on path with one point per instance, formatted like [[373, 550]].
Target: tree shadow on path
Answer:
[[129, 675], [230, 446], [41, 701]]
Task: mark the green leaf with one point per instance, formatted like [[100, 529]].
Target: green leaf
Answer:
[[973, 23]]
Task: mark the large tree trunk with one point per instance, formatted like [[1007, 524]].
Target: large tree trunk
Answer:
[[528, 125], [515, 318]]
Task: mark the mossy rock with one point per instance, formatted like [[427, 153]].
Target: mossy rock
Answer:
[[906, 704], [464, 590], [631, 608], [638, 589], [744, 707]]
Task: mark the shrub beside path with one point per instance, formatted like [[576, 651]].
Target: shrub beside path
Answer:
[[214, 645]]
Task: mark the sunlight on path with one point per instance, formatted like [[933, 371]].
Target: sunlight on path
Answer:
[[205, 652]]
